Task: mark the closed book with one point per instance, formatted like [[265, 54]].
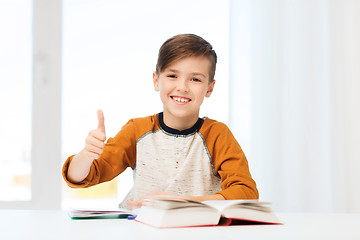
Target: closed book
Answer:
[[100, 213]]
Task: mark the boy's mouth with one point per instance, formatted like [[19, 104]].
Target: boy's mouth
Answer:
[[180, 99]]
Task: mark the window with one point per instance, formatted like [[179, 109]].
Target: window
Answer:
[[30, 93], [15, 98]]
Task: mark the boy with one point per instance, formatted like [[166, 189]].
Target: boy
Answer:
[[173, 152]]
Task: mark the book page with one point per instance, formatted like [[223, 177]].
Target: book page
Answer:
[[221, 205]]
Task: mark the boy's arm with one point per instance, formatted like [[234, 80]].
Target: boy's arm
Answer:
[[80, 164], [117, 154], [230, 163]]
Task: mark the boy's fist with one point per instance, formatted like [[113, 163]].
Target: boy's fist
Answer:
[[95, 141]]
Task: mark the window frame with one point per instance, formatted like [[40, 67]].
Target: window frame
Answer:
[[46, 101]]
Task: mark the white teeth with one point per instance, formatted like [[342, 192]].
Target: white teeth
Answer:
[[178, 99]]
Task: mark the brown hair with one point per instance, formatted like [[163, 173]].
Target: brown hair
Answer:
[[182, 46]]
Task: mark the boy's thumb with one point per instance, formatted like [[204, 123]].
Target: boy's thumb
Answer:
[[101, 119]]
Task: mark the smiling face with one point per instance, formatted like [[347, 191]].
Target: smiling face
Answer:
[[183, 85]]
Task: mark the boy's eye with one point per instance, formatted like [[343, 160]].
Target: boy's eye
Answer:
[[171, 76], [195, 80]]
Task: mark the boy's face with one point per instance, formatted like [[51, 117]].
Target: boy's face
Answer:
[[183, 86]]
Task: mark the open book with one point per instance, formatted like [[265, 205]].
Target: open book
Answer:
[[169, 212], [100, 213]]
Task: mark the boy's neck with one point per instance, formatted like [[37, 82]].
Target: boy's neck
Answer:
[[179, 123]]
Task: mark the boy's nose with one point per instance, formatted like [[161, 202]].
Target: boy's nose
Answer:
[[183, 85]]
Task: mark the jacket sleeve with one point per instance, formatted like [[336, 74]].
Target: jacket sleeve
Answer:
[[230, 164], [119, 153]]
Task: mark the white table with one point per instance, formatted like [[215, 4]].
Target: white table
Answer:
[[35, 224]]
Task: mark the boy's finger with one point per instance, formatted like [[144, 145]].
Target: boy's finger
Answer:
[[97, 134], [101, 119], [134, 203], [96, 141], [94, 149]]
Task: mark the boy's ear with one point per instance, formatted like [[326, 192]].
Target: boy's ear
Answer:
[[156, 81], [210, 89]]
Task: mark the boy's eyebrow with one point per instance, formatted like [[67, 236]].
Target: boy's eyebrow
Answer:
[[171, 70], [201, 74], [193, 73]]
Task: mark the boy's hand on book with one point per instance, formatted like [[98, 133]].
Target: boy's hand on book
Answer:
[[95, 141], [156, 194], [167, 195]]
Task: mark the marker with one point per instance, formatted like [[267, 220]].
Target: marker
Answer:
[[131, 217]]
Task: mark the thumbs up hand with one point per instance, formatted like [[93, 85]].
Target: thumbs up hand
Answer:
[[95, 141]]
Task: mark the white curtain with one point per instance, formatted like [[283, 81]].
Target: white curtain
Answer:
[[295, 100]]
